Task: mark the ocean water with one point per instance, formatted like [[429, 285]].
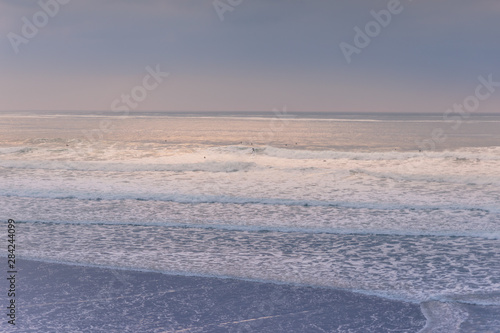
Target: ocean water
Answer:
[[400, 206]]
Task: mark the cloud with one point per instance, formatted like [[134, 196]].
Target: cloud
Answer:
[[292, 44]]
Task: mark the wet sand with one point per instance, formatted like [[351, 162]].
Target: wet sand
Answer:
[[57, 297]]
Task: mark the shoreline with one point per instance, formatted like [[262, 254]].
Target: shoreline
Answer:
[[60, 297]]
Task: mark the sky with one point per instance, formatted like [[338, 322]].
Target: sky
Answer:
[[248, 55]]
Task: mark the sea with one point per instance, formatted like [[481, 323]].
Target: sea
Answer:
[[399, 206]]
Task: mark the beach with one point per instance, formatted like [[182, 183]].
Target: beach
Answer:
[[74, 298], [196, 223]]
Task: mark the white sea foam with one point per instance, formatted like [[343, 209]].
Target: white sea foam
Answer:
[[449, 192], [414, 268], [442, 317], [215, 225]]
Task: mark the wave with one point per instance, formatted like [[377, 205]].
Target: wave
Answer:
[[472, 166], [462, 154], [198, 199], [16, 150], [491, 235], [442, 317], [467, 179], [381, 294], [472, 154], [377, 293], [434, 267], [432, 306], [489, 299], [208, 166]]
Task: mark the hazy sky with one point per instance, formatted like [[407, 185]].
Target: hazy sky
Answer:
[[262, 55]]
